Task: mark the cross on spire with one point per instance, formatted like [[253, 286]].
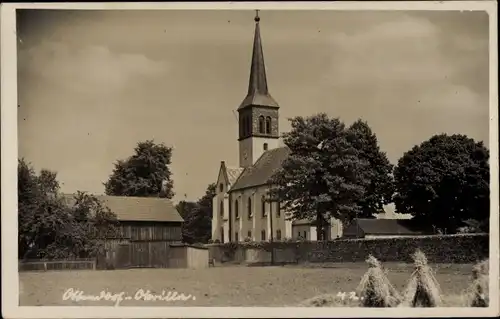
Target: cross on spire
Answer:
[[257, 18]]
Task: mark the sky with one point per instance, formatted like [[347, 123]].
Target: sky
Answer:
[[91, 84]]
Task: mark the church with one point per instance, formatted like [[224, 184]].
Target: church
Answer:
[[241, 210]]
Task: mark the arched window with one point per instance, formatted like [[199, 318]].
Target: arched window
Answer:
[[263, 204], [250, 210], [261, 124], [268, 125], [221, 208], [221, 187], [236, 209], [263, 235], [278, 209], [265, 146], [278, 234]]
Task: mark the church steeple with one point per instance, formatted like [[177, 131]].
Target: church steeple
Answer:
[[259, 112], [258, 93]]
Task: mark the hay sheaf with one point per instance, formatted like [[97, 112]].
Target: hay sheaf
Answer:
[[423, 289], [478, 292], [375, 289]]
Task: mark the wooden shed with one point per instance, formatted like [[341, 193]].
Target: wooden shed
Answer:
[[188, 256], [147, 227]]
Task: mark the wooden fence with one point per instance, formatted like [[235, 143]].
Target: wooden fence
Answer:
[[45, 265]]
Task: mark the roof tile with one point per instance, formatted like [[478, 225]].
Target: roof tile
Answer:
[[263, 169], [151, 209]]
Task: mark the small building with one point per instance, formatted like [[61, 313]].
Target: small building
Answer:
[[188, 256], [381, 228]]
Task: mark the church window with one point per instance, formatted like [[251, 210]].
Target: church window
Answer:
[[278, 234], [265, 146], [236, 237], [221, 234], [250, 214], [268, 125], [278, 209], [236, 209], [221, 187], [249, 234], [261, 124], [263, 204], [221, 209], [263, 235]]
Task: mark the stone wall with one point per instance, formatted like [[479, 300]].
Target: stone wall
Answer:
[[467, 248]]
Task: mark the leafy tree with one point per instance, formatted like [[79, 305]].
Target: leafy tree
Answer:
[[325, 174], [381, 187], [185, 208], [49, 226], [197, 227], [41, 215], [144, 174], [93, 222], [444, 181]]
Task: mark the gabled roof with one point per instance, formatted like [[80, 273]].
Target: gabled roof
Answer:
[[387, 227], [232, 174], [147, 209], [262, 170]]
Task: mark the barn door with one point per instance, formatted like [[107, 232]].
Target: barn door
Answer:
[[140, 254], [159, 254], [123, 256]]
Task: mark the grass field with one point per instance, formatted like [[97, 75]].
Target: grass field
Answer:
[[226, 286]]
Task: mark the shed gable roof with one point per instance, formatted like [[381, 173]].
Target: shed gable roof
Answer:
[[146, 209], [388, 227]]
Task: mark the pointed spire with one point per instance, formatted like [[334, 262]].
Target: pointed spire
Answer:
[[258, 93]]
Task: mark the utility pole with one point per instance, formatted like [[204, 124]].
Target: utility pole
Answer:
[[271, 227]]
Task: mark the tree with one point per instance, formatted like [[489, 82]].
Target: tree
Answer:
[[41, 215], [444, 181], [185, 208], [381, 188], [197, 227], [93, 222], [49, 226], [144, 174], [324, 175]]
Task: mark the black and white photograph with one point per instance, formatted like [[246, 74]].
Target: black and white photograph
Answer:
[[250, 159]]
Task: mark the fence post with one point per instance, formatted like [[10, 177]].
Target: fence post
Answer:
[[45, 265]]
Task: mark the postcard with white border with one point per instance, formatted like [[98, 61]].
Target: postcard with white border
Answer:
[[249, 159]]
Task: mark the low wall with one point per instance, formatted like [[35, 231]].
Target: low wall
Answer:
[[46, 265], [462, 248]]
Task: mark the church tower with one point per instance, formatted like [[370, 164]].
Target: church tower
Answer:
[[258, 113]]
